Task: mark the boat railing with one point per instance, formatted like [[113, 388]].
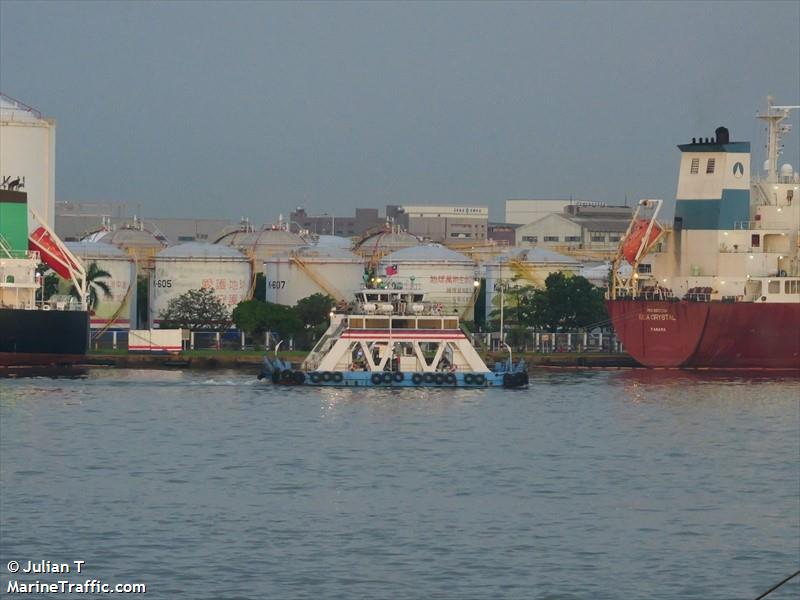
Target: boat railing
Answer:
[[759, 225], [322, 346]]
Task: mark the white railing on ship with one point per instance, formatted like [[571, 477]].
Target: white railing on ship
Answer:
[[748, 225]]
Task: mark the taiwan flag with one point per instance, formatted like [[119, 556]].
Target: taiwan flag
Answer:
[[391, 270]]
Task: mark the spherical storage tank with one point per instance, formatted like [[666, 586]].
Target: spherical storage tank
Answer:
[[194, 266], [295, 275], [260, 245], [28, 150], [445, 276], [139, 243], [382, 243], [525, 266], [118, 311]]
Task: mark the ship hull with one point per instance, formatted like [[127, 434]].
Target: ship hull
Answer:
[[38, 337], [716, 335]]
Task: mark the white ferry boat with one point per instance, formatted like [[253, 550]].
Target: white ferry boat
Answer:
[[393, 338]]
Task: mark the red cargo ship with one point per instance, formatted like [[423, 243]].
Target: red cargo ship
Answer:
[[721, 288]]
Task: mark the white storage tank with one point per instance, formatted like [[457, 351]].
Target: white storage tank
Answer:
[[295, 275], [194, 266], [119, 311], [28, 150], [260, 245], [445, 276], [519, 267]]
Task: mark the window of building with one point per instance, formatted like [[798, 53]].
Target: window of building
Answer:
[[710, 165], [695, 166], [598, 237], [572, 238], [550, 238], [530, 238]]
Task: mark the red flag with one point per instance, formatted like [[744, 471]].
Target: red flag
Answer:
[[391, 270]]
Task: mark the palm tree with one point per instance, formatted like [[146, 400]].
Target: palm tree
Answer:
[[93, 283]]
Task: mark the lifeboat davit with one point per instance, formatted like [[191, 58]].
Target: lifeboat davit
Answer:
[[41, 241], [631, 245]]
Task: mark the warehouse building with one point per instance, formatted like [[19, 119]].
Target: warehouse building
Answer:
[[579, 227], [438, 223], [325, 224]]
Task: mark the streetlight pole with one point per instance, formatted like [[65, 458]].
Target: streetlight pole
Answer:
[[502, 304]]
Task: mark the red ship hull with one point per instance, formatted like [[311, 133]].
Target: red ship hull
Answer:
[[715, 335]]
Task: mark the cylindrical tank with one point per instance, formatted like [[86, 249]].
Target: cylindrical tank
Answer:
[[194, 266], [137, 242], [261, 245], [295, 275], [118, 311], [443, 275], [518, 267], [28, 150]]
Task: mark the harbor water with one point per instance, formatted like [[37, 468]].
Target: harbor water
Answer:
[[594, 484]]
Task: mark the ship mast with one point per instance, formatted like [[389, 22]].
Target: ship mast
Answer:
[[773, 116]]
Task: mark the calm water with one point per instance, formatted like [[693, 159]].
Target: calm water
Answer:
[[208, 485]]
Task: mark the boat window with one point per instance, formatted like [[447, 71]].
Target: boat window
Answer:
[[356, 323], [695, 166], [9, 279], [774, 287], [451, 324], [710, 165], [377, 323], [403, 323], [792, 286], [755, 240]]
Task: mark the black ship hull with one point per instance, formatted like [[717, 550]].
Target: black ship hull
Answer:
[[39, 337]]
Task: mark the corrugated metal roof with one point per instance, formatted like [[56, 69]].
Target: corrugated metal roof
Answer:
[[426, 253], [200, 250]]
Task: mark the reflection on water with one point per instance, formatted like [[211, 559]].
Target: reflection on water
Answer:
[[590, 484]]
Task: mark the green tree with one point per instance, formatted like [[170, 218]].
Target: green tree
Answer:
[[50, 284], [196, 310], [256, 317], [94, 283], [567, 302], [315, 310]]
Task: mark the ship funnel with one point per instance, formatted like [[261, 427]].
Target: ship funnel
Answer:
[[723, 135]]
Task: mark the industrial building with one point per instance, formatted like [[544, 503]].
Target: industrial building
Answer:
[[579, 228], [76, 220], [325, 224], [522, 212], [28, 156], [442, 224]]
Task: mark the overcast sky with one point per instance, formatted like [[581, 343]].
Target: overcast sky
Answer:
[[234, 109]]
